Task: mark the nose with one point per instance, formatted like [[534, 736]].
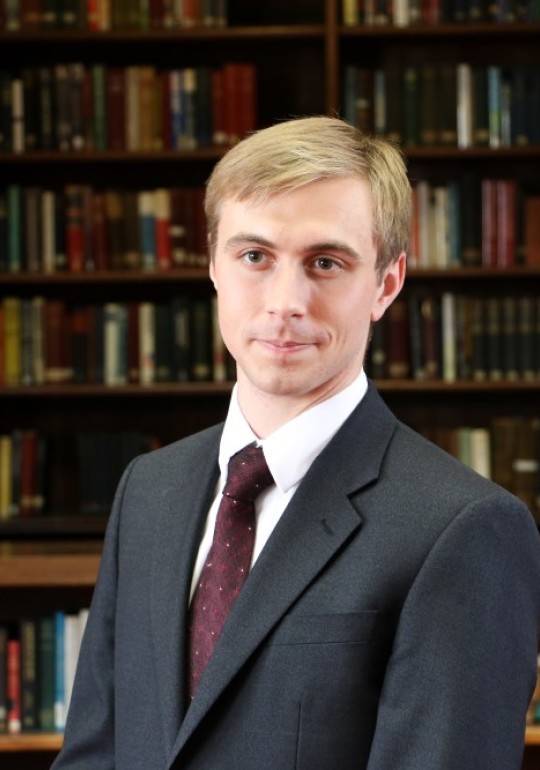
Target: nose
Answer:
[[287, 291]]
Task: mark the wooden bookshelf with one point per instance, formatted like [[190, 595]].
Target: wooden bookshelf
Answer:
[[300, 51]]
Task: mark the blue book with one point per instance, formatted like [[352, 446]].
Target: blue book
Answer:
[[59, 671]]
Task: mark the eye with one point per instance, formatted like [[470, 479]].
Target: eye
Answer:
[[253, 257], [326, 264]]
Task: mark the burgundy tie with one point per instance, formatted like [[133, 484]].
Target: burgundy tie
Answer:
[[229, 559]]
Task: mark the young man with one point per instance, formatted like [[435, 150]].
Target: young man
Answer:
[[390, 616]]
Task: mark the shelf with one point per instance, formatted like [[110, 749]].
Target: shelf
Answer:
[[70, 157], [195, 274], [532, 735], [459, 386], [53, 526], [194, 389], [471, 273], [214, 153], [106, 277], [31, 742], [438, 153], [157, 389], [184, 35], [35, 565], [493, 30]]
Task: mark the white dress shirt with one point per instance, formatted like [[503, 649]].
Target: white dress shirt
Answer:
[[289, 452]]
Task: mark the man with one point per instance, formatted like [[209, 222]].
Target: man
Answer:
[[390, 616]]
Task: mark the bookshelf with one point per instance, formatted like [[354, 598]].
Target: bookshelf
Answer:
[[301, 53]]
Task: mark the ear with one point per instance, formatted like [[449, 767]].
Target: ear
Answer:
[[389, 287], [212, 272]]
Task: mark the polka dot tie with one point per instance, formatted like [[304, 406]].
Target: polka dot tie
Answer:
[[229, 559]]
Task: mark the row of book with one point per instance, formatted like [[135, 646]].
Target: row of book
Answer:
[[470, 221], [104, 15], [453, 337], [26, 457], [22, 473], [506, 451], [445, 104], [402, 13], [474, 222], [82, 229], [45, 341], [38, 658], [77, 107]]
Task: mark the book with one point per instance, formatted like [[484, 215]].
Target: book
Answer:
[[532, 231], [29, 675], [14, 686], [3, 678], [397, 339], [59, 670], [12, 341], [46, 676]]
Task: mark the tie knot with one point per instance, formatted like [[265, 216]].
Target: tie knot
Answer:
[[247, 475]]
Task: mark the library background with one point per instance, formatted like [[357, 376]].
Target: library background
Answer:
[[112, 113]]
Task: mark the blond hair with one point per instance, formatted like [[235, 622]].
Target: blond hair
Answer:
[[296, 152]]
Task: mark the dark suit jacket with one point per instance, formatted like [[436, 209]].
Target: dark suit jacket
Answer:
[[391, 621]]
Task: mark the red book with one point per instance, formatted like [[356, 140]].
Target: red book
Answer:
[[506, 222], [489, 223], [219, 130], [14, 686], [57, 364], [75, 246], [157, 14], [116, 114], [190, 14], [532, 231], [247, 98], [397, 340], [199, 227], [232, 102], [133, 353], [92, 14]]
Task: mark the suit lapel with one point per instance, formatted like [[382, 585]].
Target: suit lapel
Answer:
[[317, 523], [178, 533]]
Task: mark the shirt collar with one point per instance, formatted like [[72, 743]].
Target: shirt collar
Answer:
[[291, 449]]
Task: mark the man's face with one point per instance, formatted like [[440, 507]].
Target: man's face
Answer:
[[297, 289]]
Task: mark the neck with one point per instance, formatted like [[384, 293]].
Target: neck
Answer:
[[266, 412]]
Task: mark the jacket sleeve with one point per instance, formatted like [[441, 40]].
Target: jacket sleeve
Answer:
[[463, 665], [89, 735]]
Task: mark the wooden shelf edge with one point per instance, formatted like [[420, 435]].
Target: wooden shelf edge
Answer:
[[189, 389], [49, 570], [185, 34], [532, 735], [184, 274], [31, 742], [487, 29], [200, 274]]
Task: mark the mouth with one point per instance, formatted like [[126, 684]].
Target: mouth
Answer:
[[285, 346]]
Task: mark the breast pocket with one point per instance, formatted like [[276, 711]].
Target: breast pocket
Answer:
[[327, 628]]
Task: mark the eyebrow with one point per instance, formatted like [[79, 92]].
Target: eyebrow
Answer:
[[239, 238], [320, 246]]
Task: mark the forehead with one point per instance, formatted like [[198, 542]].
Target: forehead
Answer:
[[339, 202]]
